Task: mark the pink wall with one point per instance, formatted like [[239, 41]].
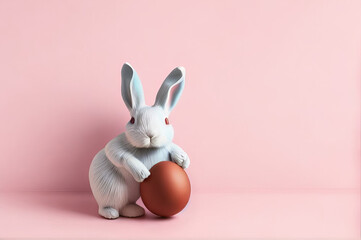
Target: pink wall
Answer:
[[272, 98]]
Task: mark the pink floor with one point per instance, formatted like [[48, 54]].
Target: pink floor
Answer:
[[265, 215]]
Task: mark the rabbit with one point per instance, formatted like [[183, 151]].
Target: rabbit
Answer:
[[117, 170]]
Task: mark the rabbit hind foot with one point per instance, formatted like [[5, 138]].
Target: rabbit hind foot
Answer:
[[108, 212], [132, 210]]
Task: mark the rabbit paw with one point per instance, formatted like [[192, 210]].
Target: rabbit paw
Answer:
[[141, 174], [181, 158], [108, 212], [132, 210], [138, 170]]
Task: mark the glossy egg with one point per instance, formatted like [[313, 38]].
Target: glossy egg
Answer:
[[167, 190]]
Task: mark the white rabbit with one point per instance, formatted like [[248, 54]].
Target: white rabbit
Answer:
[[117, 170]]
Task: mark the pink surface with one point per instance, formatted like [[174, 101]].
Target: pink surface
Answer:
[[247, 215]]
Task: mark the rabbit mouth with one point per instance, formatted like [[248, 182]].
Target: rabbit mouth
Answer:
[[144, 141], [147, 143], [153, 142]]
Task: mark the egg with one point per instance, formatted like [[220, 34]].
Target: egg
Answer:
[[167, 189]]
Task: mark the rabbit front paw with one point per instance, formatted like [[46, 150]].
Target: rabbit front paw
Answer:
[[181, 158], [141, 174], [138, 170]]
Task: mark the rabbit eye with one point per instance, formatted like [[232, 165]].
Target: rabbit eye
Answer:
[[132, 120], [167, 121]]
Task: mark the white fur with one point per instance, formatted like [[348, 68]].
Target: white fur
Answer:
[[116, 170]]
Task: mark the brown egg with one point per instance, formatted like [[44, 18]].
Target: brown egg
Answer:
[[167, 190]]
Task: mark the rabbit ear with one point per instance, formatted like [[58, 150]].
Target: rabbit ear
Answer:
[[132, 90], [171, 89]]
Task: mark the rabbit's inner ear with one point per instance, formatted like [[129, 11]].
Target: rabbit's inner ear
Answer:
[[136, 92], [132, 90], [173, 97], [171, 89]]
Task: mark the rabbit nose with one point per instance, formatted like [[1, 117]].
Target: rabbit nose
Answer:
[[150, 135]]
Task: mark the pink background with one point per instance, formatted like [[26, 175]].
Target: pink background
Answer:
[[270, 115], [272, 98]]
